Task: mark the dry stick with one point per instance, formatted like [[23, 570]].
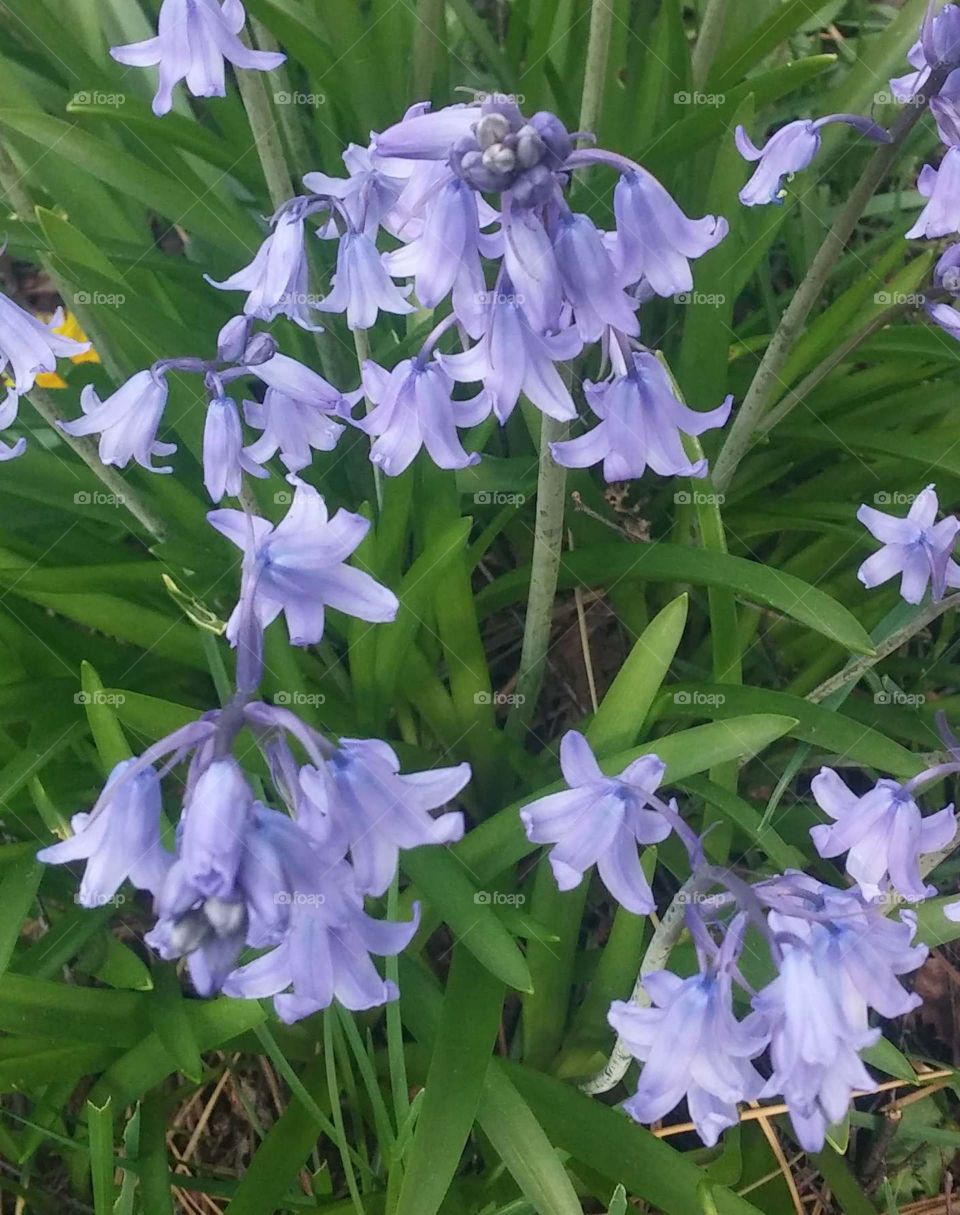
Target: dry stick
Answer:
[[791, 325], [552, 477]]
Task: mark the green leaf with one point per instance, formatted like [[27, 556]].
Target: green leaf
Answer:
[[100, 1128], [18, 889], [108, 737], [171, 1024]]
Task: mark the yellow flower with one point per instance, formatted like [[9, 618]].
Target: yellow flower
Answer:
[[69, 329]]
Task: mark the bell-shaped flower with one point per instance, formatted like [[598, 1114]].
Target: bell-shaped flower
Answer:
[[788, 151], [413, 409], [692, 1045], [946, 316], [883, 833], [294, 428], [277, 280], [939, 43], [512, 358], [530, 265], [361, 286], [127, 421], [590, 280], [599, 820], [120, 841], [194, 37], [379, 811], [641, 423], [285, 375], [941, 188], [370, 192], [225, 459], [29, 346], [427, 135], [917, 548], [298, 568], [216, 820], [655, 240]]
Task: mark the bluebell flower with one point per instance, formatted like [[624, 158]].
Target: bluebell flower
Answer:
[[883, 833], [294, 428], [424, 134], [946, 273], [641, 423], [194, 37], [127, 421], [590, 280], [216, 818], [277, 280], [655, 240], [9, 409], [304, 385], [599, 820], [120, 841], [298, 568], [692, 1045], [361, 286], [513, 357], [413, 409], [531, 271], [939, 43], [941, 188], [378, 810], [369, 194], [29, 346], [225, 459], [946, 316], [917, 548], [788, 151]]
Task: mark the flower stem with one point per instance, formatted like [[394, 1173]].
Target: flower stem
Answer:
[[767, 380], [708, 39], [661, 945], [361, 344], [427, 37], [266, 135]]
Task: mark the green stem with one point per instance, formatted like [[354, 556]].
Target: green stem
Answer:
[[266, 135], [296, 141], [708, 40], [426, 38], [361, 344], [767, 380]]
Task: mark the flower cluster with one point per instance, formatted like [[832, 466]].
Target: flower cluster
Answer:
[[918, 548]]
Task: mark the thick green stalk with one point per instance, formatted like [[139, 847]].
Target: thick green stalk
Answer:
[[708, 40], [427, 37], [266, 135]]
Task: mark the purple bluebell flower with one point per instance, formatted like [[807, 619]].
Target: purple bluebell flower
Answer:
[[225, 459], [120, 841], [599, 820], [791, 149], [532, 272], [29, 346], [883, 833], [194, 37], [641, 423], [361, 286], [590, 280], [946, 273], [216, 818], [941, 188], [426, 135], [917, 547], [325, 952], [294, 428], [513, 358], [291, 378], [277, 280], [298, 568], [371, 191], [126, 421], [655, 241], [413, 409], [946, 316], [939, 43], [692, 1045], [8, 415], [379, 811]]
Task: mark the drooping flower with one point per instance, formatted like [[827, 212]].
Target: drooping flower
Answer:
[[294, 428], [655, 241], [599, 820], [917, 547], [413, 409], [641, 423], [120, 841], [361, 286], [225, 459], [692, 1045], [939, 43], [512, 358], [378, 811], [426, 135], [789, 151], [277, 280], [216, 819], [946, 273], [29, 347], [126, 421], [293, 379], [590, 280], [941, 188], [883, 833], [194, 37], [946, 316], [298, 568], [369, 193]]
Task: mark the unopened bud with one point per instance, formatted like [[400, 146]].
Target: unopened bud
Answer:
[[492, 129], [499, 158]]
